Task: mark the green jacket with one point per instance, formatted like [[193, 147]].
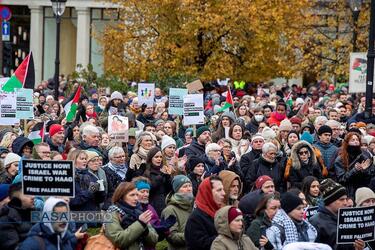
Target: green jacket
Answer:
[[257, 228], [226, 240], [181, 209], [129, 238]]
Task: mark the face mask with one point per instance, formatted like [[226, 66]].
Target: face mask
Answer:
[[279, 116], [258, 118]]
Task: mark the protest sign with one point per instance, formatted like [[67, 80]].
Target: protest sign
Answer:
[[3, 80], [311, 211], [8, 108], [193, 109], [357, 72], [48, 178], [176, 101], [194, 87], [118, 127], [146, 94], [25, 109], [355, 223]]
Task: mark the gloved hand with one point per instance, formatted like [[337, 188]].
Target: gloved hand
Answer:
[[165, 224], [94, 187]]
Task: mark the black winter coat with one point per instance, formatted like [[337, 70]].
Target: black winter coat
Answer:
[[261, 167], [14, 224], [195, 181], [296, 176], [325, 224], [246, 163], [252, 126], [113, 181], [160, 187], [195, 149], [200, 231]]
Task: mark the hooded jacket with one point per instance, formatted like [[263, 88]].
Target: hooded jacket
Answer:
[[49, 238], [13, 224], [296, 171], [226, 239], [19, 143], [228, 177], [181, 209]]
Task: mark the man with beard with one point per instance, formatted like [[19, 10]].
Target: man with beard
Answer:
[[232, 187], [197, 147]]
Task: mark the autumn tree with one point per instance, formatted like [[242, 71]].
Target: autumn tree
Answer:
[[251, 40]]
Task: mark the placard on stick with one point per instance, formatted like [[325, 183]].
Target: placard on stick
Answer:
[[195, 86], [355, 223], [118, 128], [48, 178]]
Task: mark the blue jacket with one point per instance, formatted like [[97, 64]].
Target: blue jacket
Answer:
[[329, 152], [41, 237]]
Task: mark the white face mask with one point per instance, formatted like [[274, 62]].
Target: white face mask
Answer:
[[258, 118]]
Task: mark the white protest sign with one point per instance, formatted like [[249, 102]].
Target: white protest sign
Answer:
[[146, 94], [193, 109], [176, 101], [8, 108], [357, 72], [118, 128], [25, 109]]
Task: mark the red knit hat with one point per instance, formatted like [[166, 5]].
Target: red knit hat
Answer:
[[54, 129], [295, 120], [233, 213], [261, 180]]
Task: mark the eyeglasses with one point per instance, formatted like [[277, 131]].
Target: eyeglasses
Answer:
[[119, 157], [303, 152]]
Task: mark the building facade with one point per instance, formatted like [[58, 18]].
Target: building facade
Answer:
[[33, 28]]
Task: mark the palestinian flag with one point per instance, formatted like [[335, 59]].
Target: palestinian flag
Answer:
[[228, 101], [37, 133], [23, 77], [71, 107]]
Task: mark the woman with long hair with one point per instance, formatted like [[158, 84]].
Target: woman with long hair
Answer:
[[243, 112], [130, 227], [240, 145], [310, 187], [225, 121], [354, 168], [143, 144]]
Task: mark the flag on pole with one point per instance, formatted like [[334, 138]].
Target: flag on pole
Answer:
[[228, 101], [37, 133], [71, 107], [23, 77]]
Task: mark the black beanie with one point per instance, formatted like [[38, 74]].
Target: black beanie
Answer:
[[193, 161], [290, 201], [331, 191], [324, 129]]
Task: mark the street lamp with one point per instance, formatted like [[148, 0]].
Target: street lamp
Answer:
[[355, 6], [58, 7]]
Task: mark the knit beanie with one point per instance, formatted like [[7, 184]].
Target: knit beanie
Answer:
[[295, 120], [228, 114], [201, 130], [116, 95], [324, 129], [331, 191], [142, 184], [362, 194], [233, 213], [285, 125], [193, 161], [91, 154], [306, 136], [268, 134], [290, 201], [257, 137], [178, 181], [261, 180], [10, 158], [54, 129], [167, 141], [4, 189]]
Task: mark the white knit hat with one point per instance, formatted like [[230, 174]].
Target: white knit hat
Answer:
[[285, 125], [268, 134], [10, 158], [116, 95], [362, 194], [167, 141], [211, 147]]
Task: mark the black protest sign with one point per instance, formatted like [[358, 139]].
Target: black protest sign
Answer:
[[311, 211], [355, 223], [48, 178]]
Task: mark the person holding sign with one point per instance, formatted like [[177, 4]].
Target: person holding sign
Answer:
[[325, 221], [310, 188]]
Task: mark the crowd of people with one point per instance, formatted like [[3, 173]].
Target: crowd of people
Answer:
[[242, 180]]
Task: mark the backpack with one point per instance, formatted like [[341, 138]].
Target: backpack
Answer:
[[100, 242]]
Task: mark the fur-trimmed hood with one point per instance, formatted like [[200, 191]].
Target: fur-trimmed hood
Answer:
[[296, 163]]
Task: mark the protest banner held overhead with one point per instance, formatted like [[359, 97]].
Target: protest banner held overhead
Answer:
[[48, 178], [118, 127], [176, 101], [355, 223], [193, 109], [25, 108], [146, 94]]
